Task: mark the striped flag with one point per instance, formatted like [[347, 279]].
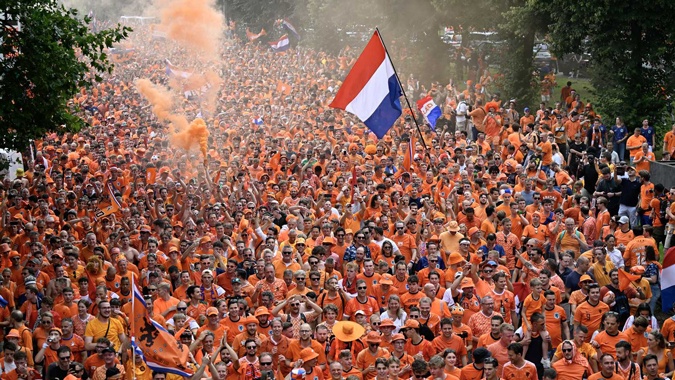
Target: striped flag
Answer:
[[430, 110], [288, 26], [172, 70], [157, 346], [107, 208], [282, 44], [371, 90]]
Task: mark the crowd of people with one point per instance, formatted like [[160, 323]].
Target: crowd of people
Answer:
[[298, 245]]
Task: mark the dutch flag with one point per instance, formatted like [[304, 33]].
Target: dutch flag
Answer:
[[281, 44], [430, 110], [371, 90]]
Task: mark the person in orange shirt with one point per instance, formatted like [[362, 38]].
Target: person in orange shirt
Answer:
[[518, 367], [607, 369], [414, 341], [573, 365], [634, 144], [218, 330], [448, 340], [499, 349], [605, 342], [628, 369], [365, 360], [474, 371], [534, 303], [590, 312], [643, 158], [556, 319]]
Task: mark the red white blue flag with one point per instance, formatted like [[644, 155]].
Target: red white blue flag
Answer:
[[281, 44], [430, 110], [371, 90]]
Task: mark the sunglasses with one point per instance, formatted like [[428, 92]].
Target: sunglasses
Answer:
[[315, 279], [251, 347], [487, 271], [181, 308], [295, 304], [362, 288], [566, 350], [265, 363]]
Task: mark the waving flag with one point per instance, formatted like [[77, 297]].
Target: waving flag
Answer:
[[668, 281], [430, 110], [172, 70], [159, 348], [282, 44], [371, 90], [110, 207], [288, 26], [625, 279], [252, 37]]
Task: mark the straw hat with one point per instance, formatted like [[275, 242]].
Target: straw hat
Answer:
[[347, 331]]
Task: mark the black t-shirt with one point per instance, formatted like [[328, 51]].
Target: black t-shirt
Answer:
[[630, 191], [590, 178], [581, 147], [54, 372]]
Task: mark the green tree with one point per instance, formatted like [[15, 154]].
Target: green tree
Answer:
[[43, 64], [255, 13], [631, 48]]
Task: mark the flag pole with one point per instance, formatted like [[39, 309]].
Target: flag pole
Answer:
[[131, 325], [379, 35]]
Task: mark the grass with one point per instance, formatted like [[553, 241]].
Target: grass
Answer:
[[582, 86]]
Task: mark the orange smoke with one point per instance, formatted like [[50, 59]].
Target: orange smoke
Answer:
[[195, 24], [195, 134], [161, 101]]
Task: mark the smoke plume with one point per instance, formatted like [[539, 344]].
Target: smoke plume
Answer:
[[194, 24]]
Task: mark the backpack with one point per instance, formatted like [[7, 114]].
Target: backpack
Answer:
[[621, 304], [425, 331]]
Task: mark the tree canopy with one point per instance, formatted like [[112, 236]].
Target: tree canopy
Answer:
[[47, 55]]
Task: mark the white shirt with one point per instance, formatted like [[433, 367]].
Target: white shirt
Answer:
[[616, 257], [461, 111]]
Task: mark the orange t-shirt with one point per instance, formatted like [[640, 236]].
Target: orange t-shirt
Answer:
[[590, 316], [553, 319], [600, 376], [527, 371], [607, 342]]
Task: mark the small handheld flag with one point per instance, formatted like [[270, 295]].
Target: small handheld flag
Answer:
[[430, 110], [371, 90]]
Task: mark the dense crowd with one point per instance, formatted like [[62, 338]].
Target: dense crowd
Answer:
[[298, 241]]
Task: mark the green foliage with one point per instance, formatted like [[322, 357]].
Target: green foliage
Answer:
[[257, 14], [43, 65], [410, 31], [631, 44]]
